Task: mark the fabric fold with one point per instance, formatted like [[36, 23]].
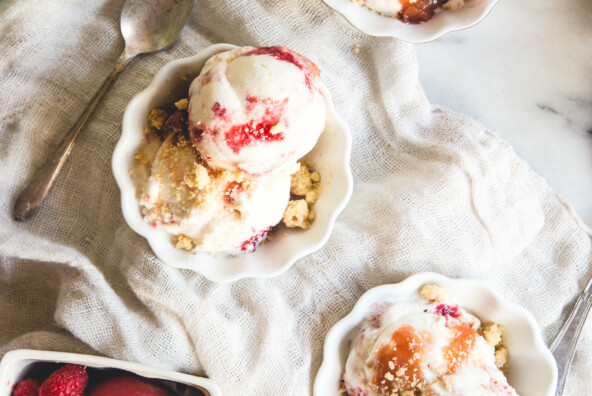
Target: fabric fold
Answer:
[[433, 191]]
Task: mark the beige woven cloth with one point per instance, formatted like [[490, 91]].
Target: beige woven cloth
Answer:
[[434, 191]]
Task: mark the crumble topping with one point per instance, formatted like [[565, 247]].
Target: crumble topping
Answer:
[[157, 117], [178, 182], [432, 293], [141, 158], [182, 104], [492, 332], [501, 358], [454, 4], [297, 214], [304, 188], [184, 242], [302, 181]]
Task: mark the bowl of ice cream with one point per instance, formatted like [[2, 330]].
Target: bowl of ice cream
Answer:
[[28, 372], [413, 21], [234, 162], [439, 336]]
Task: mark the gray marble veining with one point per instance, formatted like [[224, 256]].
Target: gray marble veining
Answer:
[[526, 73]]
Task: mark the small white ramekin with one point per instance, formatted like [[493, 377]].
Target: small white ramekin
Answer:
[[532, 369], [17, 365], [443, 21], [331, 158]]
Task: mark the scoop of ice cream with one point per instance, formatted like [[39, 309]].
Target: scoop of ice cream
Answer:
[[213, 210], [385, 7], [431, 347], [256, 110], [411, 11]]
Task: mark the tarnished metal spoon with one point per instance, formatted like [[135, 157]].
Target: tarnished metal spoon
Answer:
[[146, 26]]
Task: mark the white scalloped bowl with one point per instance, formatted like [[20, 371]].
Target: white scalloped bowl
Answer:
[[532, 369], [331, 157], [442, 22], [21, 363]]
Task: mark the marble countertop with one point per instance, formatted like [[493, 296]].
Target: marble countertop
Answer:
[[526, 73]]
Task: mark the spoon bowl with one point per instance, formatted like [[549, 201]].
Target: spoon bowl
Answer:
[[146, 26], [145, 31]]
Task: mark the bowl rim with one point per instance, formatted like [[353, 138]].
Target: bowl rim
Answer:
[[13, 357], [119, 163], [403, 290], [363, 21]]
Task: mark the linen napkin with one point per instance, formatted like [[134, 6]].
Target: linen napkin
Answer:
[[434, 191]]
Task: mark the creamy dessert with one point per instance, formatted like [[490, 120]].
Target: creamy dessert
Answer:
[[410, 11], [256, 110], [223, 169], [426, 346]]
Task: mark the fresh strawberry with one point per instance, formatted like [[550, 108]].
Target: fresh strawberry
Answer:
[[128, 385], [26, 387], [70, 380]]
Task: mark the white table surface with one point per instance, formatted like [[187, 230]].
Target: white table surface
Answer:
[[525, 72]]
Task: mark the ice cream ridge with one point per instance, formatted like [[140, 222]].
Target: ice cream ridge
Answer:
[[223, 175], [426, 346]]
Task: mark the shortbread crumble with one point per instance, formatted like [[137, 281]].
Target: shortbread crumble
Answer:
[[304, 189]]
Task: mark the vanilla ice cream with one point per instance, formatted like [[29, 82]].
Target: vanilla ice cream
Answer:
[[214, 210], [385, 7], [410, 11], [431, 348], [216, 174], [256, 110]]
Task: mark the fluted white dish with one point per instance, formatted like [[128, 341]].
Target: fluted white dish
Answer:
[[532, 369], [331, 158], [444, 21]]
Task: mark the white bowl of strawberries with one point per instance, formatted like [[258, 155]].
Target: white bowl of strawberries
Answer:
[[46, 373]]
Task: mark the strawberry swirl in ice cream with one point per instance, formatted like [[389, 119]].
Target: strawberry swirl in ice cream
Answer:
[[256, 110], [222, 170]]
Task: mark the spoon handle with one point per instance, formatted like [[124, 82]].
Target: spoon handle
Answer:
[[564, 344], [30, 199]]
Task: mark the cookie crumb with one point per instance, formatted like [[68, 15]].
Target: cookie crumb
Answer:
[[432, 293], [296, 214], [492, 332], [157, 117], [184, 242], [501, 357], [311, 197], [301, 182], [182, 104], [142, 158]]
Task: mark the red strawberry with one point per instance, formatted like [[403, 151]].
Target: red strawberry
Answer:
[[70, 380], [128, 385], [27, 387]]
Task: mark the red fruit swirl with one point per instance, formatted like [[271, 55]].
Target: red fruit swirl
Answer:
[[418, 11], [311, 71], [219, 111], [447, 310], [251, 244], [247, 134]]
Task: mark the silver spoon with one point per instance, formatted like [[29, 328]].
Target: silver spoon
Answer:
[[146, 26], [564, 345]]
